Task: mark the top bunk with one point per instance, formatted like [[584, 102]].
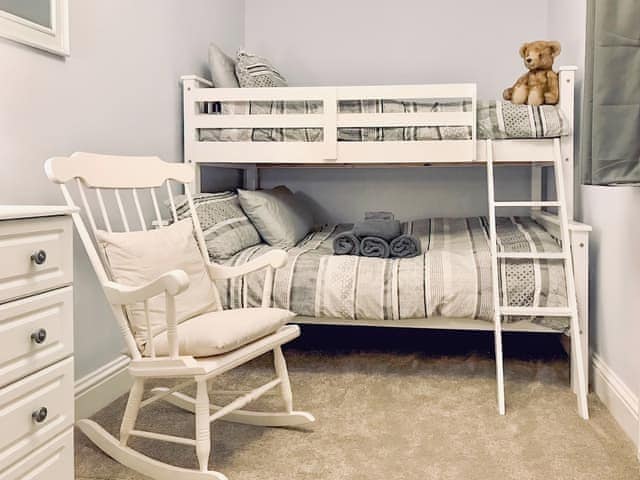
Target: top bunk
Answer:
[[368, 125]]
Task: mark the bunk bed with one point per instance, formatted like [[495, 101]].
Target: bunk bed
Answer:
[[351, 127]]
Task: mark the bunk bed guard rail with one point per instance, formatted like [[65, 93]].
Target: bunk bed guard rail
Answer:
[[199, 96]]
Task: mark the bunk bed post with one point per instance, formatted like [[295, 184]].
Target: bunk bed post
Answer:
[[579, 237], [567, 84], [190, 107], [580, 254], [251, 177]]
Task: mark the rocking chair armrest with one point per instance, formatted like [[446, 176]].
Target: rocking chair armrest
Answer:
[[172, 283], [273, 259]]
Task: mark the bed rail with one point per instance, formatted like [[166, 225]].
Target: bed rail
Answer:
[[198, 94], [196, 118]]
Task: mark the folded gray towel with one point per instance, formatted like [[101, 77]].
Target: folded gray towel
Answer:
[[374, 247], [385, 229], [405, 246], [346, 243], [379, 216]]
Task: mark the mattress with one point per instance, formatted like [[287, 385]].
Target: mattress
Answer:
[[452, 277], [495, 120]]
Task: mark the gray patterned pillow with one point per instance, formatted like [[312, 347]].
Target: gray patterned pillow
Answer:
[[253, 71], [499, 119], [226, 228]]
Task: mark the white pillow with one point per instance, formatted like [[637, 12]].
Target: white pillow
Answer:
[[223, 68], [136, 258]]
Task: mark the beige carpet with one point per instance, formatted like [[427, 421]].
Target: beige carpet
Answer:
[[385, 410]]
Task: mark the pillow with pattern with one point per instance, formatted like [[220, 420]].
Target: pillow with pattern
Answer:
[[253, 71], [226, 228]]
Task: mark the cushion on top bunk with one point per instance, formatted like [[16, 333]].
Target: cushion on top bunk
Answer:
[[226, 228], [253, 71], [281, 219], [223, 68], [137, 258]]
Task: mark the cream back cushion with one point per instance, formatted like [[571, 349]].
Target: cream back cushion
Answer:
[[136, 258]]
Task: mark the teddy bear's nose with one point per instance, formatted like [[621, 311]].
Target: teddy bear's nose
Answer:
[[529, 59]]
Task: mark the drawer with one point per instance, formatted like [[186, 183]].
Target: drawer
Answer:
[[20, 402], [52, 461], [21, 273], [36, 332]]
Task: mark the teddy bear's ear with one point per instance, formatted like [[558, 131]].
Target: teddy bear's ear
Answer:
[[555, 48], [523, 49]]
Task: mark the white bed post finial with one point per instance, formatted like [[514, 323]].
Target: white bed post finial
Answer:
[[566, 104]]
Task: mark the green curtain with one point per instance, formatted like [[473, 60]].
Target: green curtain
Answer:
[[610, 142]]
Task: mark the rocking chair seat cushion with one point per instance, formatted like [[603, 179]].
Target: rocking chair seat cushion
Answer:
[[215, 333]]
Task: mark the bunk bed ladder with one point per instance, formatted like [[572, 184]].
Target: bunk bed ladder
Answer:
[[570, 311]]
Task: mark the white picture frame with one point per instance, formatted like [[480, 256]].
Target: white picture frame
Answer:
[[53, 38]]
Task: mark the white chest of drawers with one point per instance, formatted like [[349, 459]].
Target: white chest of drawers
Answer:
[[36, 343]]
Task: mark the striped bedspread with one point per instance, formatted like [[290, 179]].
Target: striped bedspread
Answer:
[[495, 119], [452, 278]]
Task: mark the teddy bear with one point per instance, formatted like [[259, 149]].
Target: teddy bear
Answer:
[[540, 84]]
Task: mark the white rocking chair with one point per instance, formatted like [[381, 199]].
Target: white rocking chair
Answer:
[[116, 174]]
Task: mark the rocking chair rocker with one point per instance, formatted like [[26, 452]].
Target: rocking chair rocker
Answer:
[[118, 174]]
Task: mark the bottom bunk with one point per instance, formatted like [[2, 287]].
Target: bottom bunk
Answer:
[[447, 286]]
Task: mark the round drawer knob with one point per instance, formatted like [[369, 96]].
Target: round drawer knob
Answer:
[[39, 257], [40, 415], [39, 336]]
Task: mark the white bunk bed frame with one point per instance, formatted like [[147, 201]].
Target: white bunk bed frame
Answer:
[[254, 156]]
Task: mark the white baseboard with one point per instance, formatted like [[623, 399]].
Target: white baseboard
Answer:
[[617, 397], [101, 387]]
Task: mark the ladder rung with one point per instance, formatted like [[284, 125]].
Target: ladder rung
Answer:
[[536, 311], [534, 255], [528, 204]]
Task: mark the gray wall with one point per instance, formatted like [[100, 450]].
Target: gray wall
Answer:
[[567, 24], [117, 93], [406, 41], [343, 195], [359, 42], [614, 286]]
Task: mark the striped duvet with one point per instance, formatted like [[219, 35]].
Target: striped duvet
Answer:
[[452, 278]]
